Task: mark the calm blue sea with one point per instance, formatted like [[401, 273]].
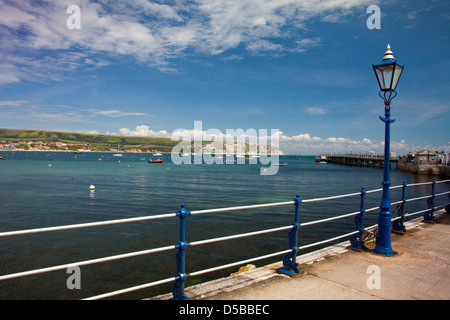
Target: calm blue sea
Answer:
[[42, 189]]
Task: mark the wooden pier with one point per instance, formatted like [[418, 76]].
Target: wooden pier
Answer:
[[360, 160]]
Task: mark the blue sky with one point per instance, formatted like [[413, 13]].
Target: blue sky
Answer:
[[303, 67]]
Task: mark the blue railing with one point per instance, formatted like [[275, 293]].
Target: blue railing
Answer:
[[290, 265]]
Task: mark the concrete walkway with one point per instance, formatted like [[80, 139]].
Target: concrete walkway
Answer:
[[420, 270]]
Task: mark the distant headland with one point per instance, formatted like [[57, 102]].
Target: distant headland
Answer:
[[40, 140]]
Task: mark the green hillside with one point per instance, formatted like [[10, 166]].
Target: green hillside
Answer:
[[44, 140], [97, 142]]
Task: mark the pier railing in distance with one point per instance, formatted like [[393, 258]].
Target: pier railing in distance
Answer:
[[290, 266]]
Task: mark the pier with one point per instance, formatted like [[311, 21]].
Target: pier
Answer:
[[360, 160]]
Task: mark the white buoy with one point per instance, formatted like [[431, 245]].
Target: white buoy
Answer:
[[91, 187]]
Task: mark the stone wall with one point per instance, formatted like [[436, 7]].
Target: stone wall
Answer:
[[424, 168]]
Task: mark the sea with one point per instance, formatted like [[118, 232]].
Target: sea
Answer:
[[46, 189]]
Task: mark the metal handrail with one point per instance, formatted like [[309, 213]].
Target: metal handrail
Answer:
[[181, 246], [85, 225], [170, 215]]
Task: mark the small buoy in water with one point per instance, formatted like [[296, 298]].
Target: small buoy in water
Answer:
[[49, 165], [91, 187]]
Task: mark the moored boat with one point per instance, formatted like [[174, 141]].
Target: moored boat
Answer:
[[118, 154], [280, 164], [156, 161]]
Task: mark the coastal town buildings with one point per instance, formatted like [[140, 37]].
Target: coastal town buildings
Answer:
[[6, 145]]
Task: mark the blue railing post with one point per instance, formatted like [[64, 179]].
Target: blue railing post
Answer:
[[290, 266], [429, 215], [356, 241], [178, 287], [398, 225]]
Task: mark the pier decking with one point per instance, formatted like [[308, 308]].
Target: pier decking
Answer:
[[418, 272], [361, 160]]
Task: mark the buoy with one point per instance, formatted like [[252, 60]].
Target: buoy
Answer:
[[91, 187], [49, 165]]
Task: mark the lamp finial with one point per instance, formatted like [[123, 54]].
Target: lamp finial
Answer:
[[388, 54]]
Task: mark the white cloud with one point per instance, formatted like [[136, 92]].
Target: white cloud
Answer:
[[263, 45], [304, 44], [144, 131], [315, 111], [23, 110], [15, 103], [117, 113], [306, 144], [302, 143], [150, 32], [157, 9], [420, 111]]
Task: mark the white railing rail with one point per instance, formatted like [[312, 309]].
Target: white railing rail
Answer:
[[183, 244]]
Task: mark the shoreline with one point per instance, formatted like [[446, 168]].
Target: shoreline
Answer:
[[150, 152]]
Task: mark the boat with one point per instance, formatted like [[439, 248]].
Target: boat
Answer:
[[321, 159], [280, 164], [156, 161], [157, 154], [78, 152], [118, 154]]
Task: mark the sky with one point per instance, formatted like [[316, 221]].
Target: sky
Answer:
[[303, 67]]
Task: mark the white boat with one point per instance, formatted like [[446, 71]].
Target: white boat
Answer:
[[157, 154], [118, 154], [280, 164]]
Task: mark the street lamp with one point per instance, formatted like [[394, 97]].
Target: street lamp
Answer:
[[388, 73]]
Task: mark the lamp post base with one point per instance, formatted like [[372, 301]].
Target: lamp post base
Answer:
[[383, 239], [388, 253]]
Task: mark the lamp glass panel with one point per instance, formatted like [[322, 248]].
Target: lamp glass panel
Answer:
[[397, 73], [380, 78], [384, 74]]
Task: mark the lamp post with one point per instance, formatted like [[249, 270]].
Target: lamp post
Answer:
[[388, 73]]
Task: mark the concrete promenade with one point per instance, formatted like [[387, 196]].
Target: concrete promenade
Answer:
[[420, 271]]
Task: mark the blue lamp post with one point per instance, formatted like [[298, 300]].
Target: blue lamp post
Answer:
[[388, 73]]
